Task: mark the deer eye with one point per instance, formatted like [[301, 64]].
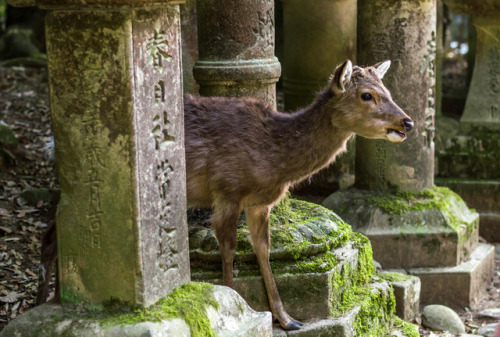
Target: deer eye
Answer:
[[366, 96]]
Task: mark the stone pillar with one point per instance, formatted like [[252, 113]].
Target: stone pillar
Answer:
[[117, 115], [482, 108], [189, 30], [439, 58], [236, 49], [318, 35], [411, 224], [405, 33], [470, 160]]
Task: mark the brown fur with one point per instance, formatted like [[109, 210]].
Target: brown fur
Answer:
[[241, 154]]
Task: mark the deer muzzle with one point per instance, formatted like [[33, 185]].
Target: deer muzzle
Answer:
[[397, 136]]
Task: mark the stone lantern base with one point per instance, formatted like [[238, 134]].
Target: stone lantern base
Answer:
[[426, 233], [323, 270], [469, 164], [233, 318]]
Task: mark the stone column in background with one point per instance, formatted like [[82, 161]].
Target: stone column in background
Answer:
[[117, 115], [405, 34], [189, 45], [482, 109], [439, 58], [318, 35], [469, 162], [236, 49], [410, 223]]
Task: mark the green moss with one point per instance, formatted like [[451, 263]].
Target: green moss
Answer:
[[285, 219], [408, 329], [187, 302], [354, 289], [394, 277], [438, 198], [366, 269], [377, 307]]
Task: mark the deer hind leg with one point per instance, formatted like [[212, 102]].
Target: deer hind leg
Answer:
[[258, 224], [225, 223], [48, 262]]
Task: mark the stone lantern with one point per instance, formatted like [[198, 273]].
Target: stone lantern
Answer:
[[412, 225], [469, 162]]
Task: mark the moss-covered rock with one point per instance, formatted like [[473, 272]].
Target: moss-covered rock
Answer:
[[429, 228], [195, 309], [301, 232]]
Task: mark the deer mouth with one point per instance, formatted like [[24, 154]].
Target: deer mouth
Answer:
[[395, 136]]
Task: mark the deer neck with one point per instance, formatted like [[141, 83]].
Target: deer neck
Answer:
[[314, 138]]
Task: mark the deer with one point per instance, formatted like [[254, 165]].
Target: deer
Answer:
[[243, 155]]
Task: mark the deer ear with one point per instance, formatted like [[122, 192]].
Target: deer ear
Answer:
[[382, 68], [341, 77]]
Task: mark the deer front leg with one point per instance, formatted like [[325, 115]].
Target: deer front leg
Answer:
[[258, 224], [225, 223]]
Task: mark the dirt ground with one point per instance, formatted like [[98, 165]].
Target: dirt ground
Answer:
[[24, 106]]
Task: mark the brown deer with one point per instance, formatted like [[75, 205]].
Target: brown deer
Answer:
[[241, 154]]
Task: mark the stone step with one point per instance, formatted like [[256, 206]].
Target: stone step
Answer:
[[459, 286], [304, 295], [362, 315], [406, 291]]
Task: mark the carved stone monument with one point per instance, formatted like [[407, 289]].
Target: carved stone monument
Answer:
[[116, 105], [411, 224], [469, 162], [236, 49]]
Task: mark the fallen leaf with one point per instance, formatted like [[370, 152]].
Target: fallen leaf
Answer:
[[31, 273], [11, 297], [6, 230]]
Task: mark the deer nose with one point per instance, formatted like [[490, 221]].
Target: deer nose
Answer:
[[408, 124]]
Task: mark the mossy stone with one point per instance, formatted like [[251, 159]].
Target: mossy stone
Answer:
[[428, 228]]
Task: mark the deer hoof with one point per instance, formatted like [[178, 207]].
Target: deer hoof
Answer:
[[293, 325]]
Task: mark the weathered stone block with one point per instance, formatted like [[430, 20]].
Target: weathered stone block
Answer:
[[459, 286], [484, 196], [430, 228], [407, 293], [471, 156], [371, 317], [315, 258], [304, 295], [117, 115]]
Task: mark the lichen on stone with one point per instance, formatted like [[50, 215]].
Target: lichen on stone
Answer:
[[188, 302], [394, 277], [436, 198], [407, 329]]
